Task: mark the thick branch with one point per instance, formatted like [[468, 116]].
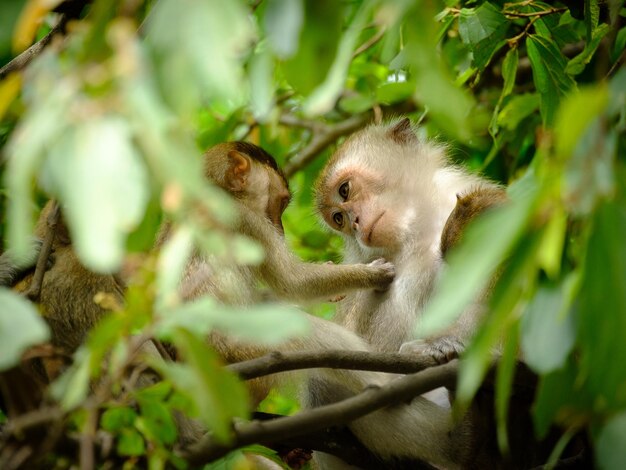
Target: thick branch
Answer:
[[338, 359], [371, 399], [22, 60]]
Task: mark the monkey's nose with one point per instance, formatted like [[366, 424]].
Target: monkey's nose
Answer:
[[355, 224]]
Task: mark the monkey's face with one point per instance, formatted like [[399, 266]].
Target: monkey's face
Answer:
[[358, 203]]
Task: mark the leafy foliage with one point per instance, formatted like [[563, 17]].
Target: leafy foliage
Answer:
[[112, 122]]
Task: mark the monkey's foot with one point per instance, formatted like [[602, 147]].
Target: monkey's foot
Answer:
[[440, 350]]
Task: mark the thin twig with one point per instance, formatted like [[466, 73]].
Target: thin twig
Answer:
[[33, 419], [371, 399], [22, 60], [370, 42], [534, 14], [34, 290]]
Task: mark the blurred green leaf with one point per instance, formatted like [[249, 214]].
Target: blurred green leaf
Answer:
[[323, 98], [548, 329], [474, 262], [197, 49], [21, 327], [156, 422], [282, 23], [611, 443], [130, 443], [118, 418], [318, 46], [110, 181], [603, 304], [218, 395], [517, 109], [509, 71]]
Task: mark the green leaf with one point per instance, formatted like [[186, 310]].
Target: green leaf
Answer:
[[509, 71], [21, 327], [602, 303], [171, 265], [110, 181], [592, 16], [318, 45], [518, 108], [263, 324], [610, 444], [356, 104], [504, 384], [577, 64], [548, 329], [389, 93], [473, 263], [454, 110], [561, 396], [480, 23], [130, 443], [576, 115], [217, 394], [118, 418], [282, 23], [261, 84], [324, 96], [484, 30], [156, 422], [551, 80], [72, 387], [198, 49]]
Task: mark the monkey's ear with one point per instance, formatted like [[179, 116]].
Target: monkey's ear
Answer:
[[402, 132], [239, 166]]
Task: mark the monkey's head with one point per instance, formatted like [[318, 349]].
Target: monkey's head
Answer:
[[374, 189], [252, 176], [468, 206]]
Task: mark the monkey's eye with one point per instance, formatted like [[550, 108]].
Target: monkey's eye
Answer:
[[344, 190], [338, 219]]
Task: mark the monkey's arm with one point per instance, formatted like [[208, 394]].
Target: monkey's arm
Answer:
[[293, 278], [12, 269]]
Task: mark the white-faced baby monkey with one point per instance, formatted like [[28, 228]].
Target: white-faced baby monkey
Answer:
[[389, 194]]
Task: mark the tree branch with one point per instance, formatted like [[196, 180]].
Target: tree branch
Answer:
[[334, 359], [34, 290], [371, 399], [323, 136], [22, 60]]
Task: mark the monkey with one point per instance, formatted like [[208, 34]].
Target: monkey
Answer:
[[261, 192], [389, 194], [68, 290], [468, 206]]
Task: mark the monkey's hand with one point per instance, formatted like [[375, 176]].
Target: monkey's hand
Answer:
[[385, 273], [441, 350]]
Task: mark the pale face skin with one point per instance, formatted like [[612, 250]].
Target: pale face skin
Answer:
[[359, 204]]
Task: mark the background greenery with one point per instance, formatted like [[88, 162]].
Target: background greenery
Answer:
[[112, 123]]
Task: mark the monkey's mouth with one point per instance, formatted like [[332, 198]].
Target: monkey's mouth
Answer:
[[370, 232]]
